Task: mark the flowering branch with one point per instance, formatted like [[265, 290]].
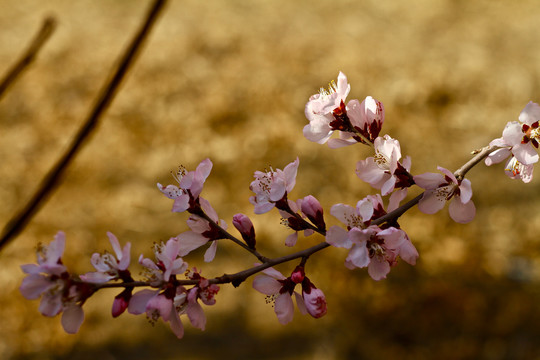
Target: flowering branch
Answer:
[[371, 232]]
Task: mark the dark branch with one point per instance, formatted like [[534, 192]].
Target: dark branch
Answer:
[[49, 24], [19, 221]]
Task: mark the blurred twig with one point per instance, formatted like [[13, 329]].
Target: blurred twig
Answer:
[[106, 95], [49, 24]]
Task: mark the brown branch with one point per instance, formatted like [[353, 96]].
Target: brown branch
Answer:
[[459, 174], [105, 97], [49, 24], [237, 278]]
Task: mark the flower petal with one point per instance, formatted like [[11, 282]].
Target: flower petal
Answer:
[[338, 237], [72, 318], [284, 308], [210, 253], [378, 268], [137, 304], [266, 285], [461, 213], [430, 203], [190, 241]]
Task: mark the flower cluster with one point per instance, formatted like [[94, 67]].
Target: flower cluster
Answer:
[[371, 246], [369, 231], [356, 122], [279, 291], [59, 291], [519, 143]]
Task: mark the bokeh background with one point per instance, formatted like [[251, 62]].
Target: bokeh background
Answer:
[[229, 80]]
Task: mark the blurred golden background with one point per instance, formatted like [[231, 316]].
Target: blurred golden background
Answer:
[[229, 80]]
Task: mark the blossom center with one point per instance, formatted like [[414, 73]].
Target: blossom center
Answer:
[[446, 192], [332, 88], [179, 173], [514, 166], [531, 133], [382, 161]]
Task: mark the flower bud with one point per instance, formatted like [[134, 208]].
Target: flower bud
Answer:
[[244, 225], [314, 211], [298, 274], [313, 299], [121, 302]]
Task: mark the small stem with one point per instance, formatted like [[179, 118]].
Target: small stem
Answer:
[[229, 236]]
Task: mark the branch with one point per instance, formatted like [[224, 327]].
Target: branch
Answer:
[[19, 221], [238, 278], [49, 24], [459, 173]]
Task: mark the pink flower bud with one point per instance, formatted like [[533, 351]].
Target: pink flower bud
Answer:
[[298, 275], [121, 302], [244, 225], [314, 211], [315, 301]]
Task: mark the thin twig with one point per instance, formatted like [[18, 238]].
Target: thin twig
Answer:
[[49, 24], [459, 174], [18, 222]]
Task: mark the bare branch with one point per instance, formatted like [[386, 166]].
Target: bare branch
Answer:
[[49, 24], [105, 97]]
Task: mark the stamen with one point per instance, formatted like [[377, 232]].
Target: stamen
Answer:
[[332, 88], [514, 167], [354, 221], [381, 160], [271, 299], [179, 174], [285, 223]]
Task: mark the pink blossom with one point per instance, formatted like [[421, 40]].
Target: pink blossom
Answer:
[[272, 186], [156, 305], [172, 302], [369, 208], [202, 231], [107, 265], [370, 245], [513, 169], [444, 187], [121, 302], [314, 299], [190, 185], [206, 292], [294, 220], [168, 263], [320, 107], [279, 291], [516, 170], [244, 225], [524, 136], [375, 248], [384, 171], [298, 274], [311, 207], [366, 118], [49, 257], [50, 280], [356, 122]]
